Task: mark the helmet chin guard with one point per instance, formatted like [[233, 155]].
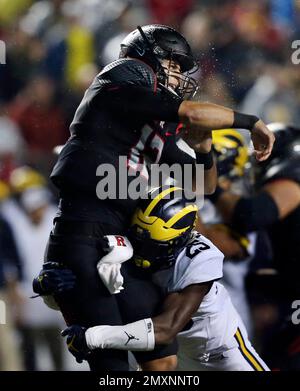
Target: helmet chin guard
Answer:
[[187, 85]]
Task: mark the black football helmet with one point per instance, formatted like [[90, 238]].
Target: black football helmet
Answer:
[[285, 157], [155, 42]]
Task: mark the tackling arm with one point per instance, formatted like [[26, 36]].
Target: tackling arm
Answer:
[[144, 334], [178, 309], [231, 244]]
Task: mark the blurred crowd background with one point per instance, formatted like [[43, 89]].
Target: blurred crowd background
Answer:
[[54, 49]]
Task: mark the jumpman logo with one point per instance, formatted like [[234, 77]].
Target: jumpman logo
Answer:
[[130, 337]]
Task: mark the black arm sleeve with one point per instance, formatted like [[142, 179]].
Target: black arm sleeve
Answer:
[[254, 213], [143, 103], [244, 121]]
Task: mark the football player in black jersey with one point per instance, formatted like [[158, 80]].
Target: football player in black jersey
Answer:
[[275, 208], [124, 113]]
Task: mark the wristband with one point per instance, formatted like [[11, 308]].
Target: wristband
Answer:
[[206, 159], [216, 195], [244, 121]]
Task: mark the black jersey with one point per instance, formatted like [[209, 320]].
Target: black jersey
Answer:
[[122, 114], [285, 239], [285, 233]]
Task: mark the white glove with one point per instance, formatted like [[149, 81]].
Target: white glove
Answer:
[[120, 250]]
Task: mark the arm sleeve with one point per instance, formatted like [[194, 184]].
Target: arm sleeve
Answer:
[[136, 336], [254, 213]]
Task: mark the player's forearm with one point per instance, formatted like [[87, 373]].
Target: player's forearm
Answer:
[[225, 202], [168, 325], [208, 116], [221, 238], [210, 173], [210, 182], [142, 335], [136, 336], [226, 205], [178, 309], [210, 179]]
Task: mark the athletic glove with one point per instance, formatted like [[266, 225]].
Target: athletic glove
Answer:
[[53, 279], [76, 342]]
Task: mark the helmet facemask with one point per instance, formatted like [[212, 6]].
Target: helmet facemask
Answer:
[[154, 254], [155, 43], [161, 227], [187, 86]]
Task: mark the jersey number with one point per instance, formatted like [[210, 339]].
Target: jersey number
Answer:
[[195, 249], [150, 143]]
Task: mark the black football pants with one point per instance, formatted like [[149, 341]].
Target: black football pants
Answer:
[[90, 303]]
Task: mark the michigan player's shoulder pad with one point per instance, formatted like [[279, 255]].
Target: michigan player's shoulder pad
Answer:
[[201, 262], [126, 71]]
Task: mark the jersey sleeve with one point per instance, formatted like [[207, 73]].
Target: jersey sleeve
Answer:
[[201, 262], [128, 72], [129, 87], [173, 153]]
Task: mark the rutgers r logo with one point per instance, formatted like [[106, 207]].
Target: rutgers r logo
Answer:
[[120, 241], [2, 53], [2, 312], [296, 54], [296, 314]]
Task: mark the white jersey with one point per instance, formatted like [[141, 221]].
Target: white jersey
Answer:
[[234, 272], [201, 261], [216, 323]]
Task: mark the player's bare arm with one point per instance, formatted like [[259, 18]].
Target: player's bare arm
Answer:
[[144, 334], [202, 145], [286, 194], [203, 117], [178, 309], [222, 237]]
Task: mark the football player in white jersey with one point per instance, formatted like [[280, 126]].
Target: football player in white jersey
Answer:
[[197, 308], [239, 249]]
